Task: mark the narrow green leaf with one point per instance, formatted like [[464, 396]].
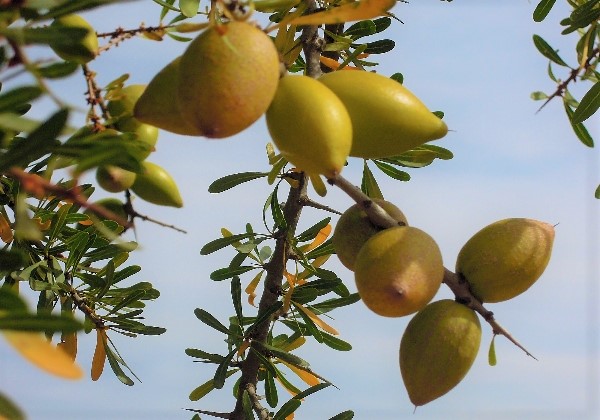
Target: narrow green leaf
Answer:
[[361, 29], [381, 46], [9, 410], [58, 70], [588, 105], [542, 10], [580, 131], [271, 390], [344, 415], [336, 343], [369, 184], [312, 390], [113, 361], [247, 406], [287, 409], [206, 387], [312, 328], [58, 223], [236, 297], [20, 321], [538, 96], [210, 320], [597, 192], [266, 315], [13, 99], [132, 297], [331, 304], [230, 181], [189, 8], [220, 243], [282, 355], [276, 211], [201, 354], [547, 51], [229, 272], [392, 172], [492, 352], [221, 372], [268, 365]]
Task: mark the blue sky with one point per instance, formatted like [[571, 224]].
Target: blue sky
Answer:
[[477, 63]]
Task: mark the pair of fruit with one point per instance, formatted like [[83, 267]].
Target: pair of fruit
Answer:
[[442, 340], [318, 124], [223, 82], [397, 270], [153, 184]]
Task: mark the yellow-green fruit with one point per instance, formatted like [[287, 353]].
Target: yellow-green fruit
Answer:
[[354, 228], [81, 52], [310, 126], [227, 78], [398, 271], [155, 185], [387, 119], [505, 258], [114, 179], [158, 105], [437, 349], [121, 108]]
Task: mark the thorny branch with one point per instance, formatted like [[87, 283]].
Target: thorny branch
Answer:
[[458, 285]]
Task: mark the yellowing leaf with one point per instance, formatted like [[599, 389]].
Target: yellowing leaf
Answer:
[[34, 347], [42, 225], [319, 239], [318, 321], [251, 288], [294, 344], [318, 184], [307, 377], [243, 347], [317, 262], [356, 10], [333, 64], [99, 354], [6, 233], [69, 344]]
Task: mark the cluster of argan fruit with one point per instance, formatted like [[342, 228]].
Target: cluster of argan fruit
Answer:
[[399, 270], [229, 76], [153, 183]]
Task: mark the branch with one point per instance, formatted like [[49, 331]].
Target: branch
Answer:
[[271, 293], [456, 283]]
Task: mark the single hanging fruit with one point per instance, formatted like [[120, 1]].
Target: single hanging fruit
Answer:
[[114, 179], [354, 228], [310, 126], [398, 271], [156, 186], [505, 258], [227, 78], [85, 49], [437, 349], [387, 119]]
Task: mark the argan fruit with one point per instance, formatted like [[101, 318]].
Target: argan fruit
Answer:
[[121, 109], [227, 78], [387, 119], [85, 49], [354, 228], [154, 185], [310, 126], [398, 271], [505, 258], [114, 179], [157, 105], [437, 349], [114, 205]]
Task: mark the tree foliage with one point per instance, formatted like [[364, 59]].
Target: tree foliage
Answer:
[[68, 250]]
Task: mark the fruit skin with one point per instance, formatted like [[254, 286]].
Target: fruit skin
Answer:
[[87, 48], [437, 349], [398, 271], [157, 107], [155, 185], [387, 119], [227, 78], [354, 228], [121, 108], [505, 258], [114, 179], [310, 126]]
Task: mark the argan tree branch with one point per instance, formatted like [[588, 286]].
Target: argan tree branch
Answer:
[[458, 285]]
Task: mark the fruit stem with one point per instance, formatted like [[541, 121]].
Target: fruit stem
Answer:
[[458, 285]]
